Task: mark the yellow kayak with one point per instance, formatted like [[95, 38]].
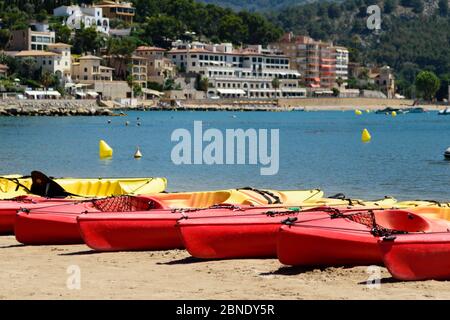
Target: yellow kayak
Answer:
[[87, 187], [433, 212], [247, 196], [387, 202]]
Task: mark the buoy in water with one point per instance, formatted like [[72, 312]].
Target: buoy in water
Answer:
[[109, 121], [358, 112], [138, 153], [447, 154], [368, 111], [138, 124], [366, 137], [127, 123], [394, 113], [105, 151]]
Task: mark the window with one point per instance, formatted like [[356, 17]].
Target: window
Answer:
[[85, 70]]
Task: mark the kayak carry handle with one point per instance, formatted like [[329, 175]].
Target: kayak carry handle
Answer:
[[289, 221]]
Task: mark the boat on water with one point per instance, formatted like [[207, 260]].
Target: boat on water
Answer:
[[388, 110], [444, 112]]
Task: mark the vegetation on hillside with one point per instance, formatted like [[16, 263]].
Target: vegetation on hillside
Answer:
[[414, 35]]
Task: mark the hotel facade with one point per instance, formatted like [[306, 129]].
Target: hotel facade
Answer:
[[238, 73]]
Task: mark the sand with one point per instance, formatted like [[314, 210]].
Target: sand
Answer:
[[41, 273]]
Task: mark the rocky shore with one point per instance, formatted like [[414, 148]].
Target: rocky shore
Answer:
[[52, 108]]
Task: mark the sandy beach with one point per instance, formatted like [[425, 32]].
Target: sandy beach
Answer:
[[41, 273]]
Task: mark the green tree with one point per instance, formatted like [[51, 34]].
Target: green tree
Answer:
[[443, 7], [161, 30], [63, 32], [48, 80], [203, 84], [87, 40], [389, 6], [276, 85], [334, 11], [4, 37], [232, 28], [427, 83]]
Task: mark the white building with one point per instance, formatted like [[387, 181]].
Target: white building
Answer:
[[57, 60], [238, 73], [83, 16], [341, 56]]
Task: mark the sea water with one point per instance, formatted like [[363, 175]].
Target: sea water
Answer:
[[316, 150]]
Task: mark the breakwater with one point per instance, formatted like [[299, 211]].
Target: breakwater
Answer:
[[13, 107]]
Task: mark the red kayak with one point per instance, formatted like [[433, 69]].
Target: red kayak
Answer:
[[349, 239], [155, 230], [57, 224], [238, 236], [9, 208], [414, 257]]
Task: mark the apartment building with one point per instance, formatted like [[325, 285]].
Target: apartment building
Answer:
[[342, 64], [139, 70], [159, 68], [87, 16], [238, 73], [117, 10], [320, 63], [57, 60], [89, 68], [28, 39]]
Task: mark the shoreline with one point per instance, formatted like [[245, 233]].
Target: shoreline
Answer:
[[108, 108]]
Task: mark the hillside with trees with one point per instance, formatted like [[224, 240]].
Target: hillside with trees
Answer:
[[414, 35], [157, 22], [257, 5]]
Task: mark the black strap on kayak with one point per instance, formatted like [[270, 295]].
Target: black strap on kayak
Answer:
[[432, 201], [269, 196], [18, 184], [341, 196], [338, 196]]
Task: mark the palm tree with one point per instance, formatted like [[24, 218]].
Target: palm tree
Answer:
[[276, 85], [47, 79]]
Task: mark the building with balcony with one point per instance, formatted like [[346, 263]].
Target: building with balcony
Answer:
[[29, 39], [117, 10], [320, 63], [139, 70], [57, 60], [88, 69], [238, 73], [83, 16], [159, 68]]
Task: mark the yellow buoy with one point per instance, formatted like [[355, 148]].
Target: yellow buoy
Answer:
[[394, 114], [105, 151], [366, 137], [137, 154], [358, 112], [368, 110]]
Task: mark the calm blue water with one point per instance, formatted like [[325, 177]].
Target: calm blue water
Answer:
[[317, 150]]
